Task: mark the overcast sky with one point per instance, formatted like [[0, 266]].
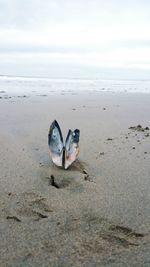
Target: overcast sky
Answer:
[[75, 38]]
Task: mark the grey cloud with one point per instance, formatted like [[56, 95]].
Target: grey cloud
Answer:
[[38, 13], [30, 48], [7, 48], [26, 14]]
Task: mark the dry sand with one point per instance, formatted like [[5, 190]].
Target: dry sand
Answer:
[[97, 213]]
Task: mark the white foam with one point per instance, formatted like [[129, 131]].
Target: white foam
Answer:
[[27, 85]]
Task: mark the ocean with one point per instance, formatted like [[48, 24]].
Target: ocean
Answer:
[[10, 86]]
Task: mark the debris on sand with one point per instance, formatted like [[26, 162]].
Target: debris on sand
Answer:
[[139, 128], [13, 218], [109, 139]]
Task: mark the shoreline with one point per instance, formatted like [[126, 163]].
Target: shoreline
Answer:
[[14, 86]]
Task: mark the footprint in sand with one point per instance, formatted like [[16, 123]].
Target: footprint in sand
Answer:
[[28, 205], [92, 235], [100, 235]]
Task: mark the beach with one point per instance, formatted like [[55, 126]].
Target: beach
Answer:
[[97, 213]]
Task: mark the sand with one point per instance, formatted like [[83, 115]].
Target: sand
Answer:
[[97, 213]]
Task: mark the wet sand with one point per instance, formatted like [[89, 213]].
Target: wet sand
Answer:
[[97, 213]]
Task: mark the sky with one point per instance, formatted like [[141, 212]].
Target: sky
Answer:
[[100, 39]]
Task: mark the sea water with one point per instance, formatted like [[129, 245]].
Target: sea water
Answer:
[[29, 85]]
